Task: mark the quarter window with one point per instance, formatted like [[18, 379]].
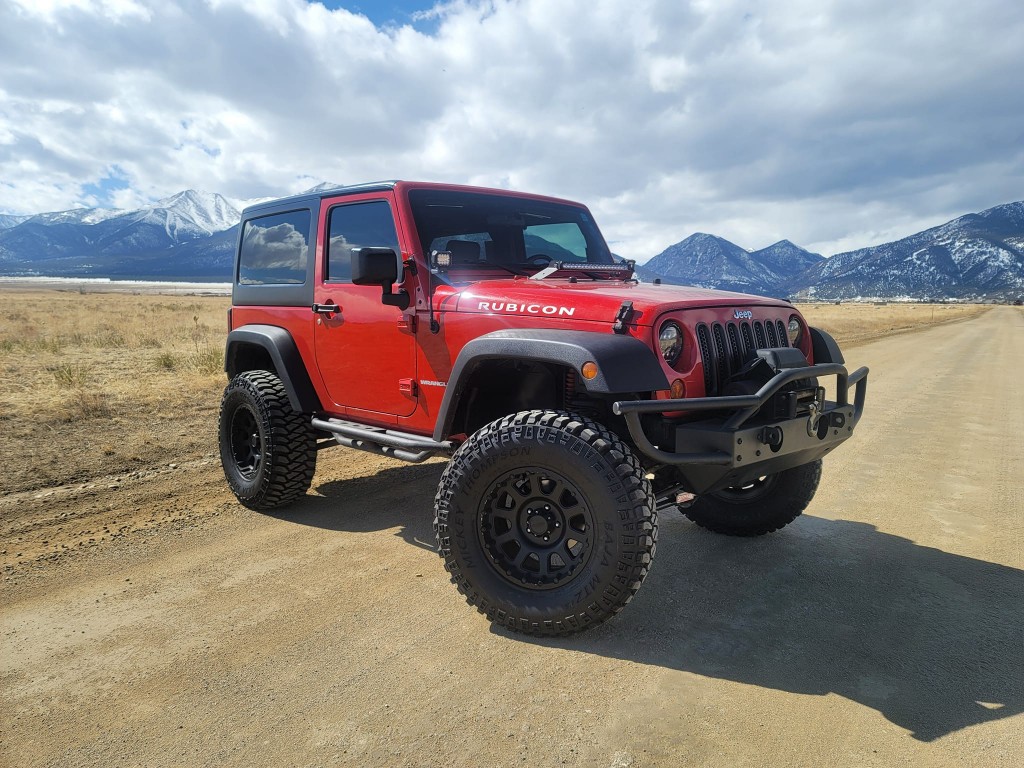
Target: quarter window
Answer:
[[275, 249]]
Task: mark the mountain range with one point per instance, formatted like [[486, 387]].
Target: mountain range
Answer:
[[707, 261], [192, 236], [188, 236], [978, 256]]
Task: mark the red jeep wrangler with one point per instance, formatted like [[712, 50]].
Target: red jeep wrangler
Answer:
[[413, 319]]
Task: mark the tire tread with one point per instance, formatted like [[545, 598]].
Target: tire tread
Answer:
[[628, 471], [290, 442]]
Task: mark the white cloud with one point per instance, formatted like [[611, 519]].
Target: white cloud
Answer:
[[832, 124]]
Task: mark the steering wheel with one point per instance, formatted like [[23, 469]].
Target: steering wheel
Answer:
[[540, 260]]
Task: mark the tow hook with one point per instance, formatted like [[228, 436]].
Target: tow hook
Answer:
[[815, 411]]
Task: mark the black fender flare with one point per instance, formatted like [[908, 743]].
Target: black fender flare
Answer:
[[825, 348], [289, 365], [624, 363]]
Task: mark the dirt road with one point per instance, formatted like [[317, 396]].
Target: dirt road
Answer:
[[882, 628]]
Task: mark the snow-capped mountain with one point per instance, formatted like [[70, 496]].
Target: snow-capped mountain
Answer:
[[7, 221], [980, 255], [786, 259], [182, 235], [708, 261]]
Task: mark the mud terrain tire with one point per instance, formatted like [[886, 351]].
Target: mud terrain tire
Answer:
[[267, 450], [761, 507], [545, 522]]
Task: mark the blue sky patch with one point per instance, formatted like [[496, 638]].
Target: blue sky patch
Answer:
[[386, 12], [103, 189]]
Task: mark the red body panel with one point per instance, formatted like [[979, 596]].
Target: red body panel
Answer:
[[381, 365]]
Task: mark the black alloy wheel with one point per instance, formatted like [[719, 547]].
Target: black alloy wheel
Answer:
[[246, 445], [536, 527]]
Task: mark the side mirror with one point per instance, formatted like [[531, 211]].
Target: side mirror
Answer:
[[379, 266], [374, 266]]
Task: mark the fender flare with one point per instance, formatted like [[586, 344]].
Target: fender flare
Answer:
[[624, 363], [289, 365], [825, 348]]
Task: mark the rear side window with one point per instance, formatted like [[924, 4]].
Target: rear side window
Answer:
[[358, 225], [275, 249]]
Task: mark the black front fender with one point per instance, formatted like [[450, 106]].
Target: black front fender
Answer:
[[624, 364]]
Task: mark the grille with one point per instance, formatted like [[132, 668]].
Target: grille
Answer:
[[725, 348], [762, 342]]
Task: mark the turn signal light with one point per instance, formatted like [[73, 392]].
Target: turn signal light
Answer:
[[678, 390], [589, 370]]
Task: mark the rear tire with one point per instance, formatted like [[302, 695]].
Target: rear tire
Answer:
[[546, 522], [268, 451], [761, 507]]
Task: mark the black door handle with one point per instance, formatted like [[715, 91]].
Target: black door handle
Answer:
[[326, 309]]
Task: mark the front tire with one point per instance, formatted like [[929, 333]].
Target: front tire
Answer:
[[545, 522], [268, 451], [760, 507]]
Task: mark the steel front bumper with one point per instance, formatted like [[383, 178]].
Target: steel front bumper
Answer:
[[738, 443]]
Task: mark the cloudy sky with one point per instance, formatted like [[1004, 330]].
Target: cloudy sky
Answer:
[[834, 124]]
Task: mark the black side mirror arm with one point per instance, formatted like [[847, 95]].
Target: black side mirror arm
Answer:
[[400, 299]]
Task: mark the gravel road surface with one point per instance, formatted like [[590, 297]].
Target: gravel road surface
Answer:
[[882, 628]]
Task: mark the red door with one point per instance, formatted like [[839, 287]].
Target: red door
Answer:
[[365, 349]]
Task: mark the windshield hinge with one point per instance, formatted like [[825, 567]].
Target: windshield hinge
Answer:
[[623, 317]]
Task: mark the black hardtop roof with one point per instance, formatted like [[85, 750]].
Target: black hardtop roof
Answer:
[[308, 198], [311, 199]]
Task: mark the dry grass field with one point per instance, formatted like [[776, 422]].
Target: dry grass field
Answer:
[[854, 324], [93, 384], [100, 383]]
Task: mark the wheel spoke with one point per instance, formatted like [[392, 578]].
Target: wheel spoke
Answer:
[[521, 555], [544, 565], [509, 535], [522, 486]]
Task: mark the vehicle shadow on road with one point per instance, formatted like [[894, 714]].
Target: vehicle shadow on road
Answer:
[[399, 497], [931, 640]]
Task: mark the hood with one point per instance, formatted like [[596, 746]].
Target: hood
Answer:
[[597, 300]]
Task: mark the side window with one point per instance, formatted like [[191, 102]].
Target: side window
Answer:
[[357, 225], [275, 249]]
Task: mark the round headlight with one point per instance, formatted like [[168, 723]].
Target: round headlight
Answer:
[[793, 330], [671, 342]]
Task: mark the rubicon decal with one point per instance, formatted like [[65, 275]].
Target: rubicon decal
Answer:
[[742, 314], [529, 309]]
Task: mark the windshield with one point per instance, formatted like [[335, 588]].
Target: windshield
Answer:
[[510, 233]]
